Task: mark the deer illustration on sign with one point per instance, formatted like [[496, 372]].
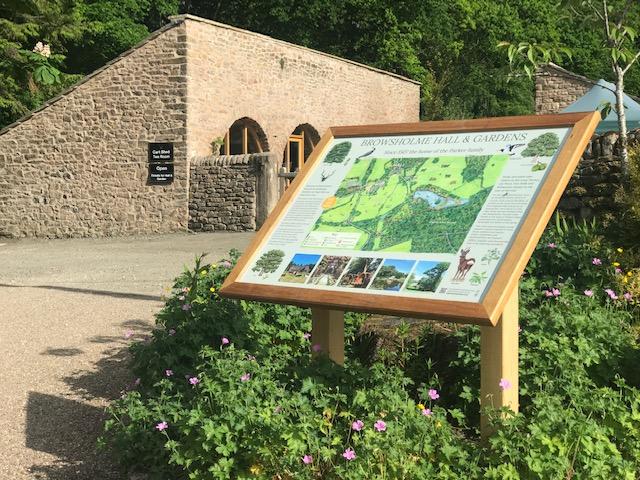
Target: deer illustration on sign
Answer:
[[464, 264]]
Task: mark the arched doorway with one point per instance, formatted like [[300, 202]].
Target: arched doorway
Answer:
[[244, 136], [299, 146]]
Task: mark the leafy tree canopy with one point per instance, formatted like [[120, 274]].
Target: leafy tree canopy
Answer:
[[450, 47], [543, 146]]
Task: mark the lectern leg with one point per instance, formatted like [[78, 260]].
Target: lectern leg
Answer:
[[327, 333], [499, 363]]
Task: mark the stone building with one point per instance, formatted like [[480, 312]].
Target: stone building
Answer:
[[79, 166], [596, 184], [557, 88]]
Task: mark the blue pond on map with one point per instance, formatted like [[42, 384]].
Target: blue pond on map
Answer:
[[438, 201]]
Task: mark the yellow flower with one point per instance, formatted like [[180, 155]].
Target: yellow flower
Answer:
[[203, 273], [421, 407], [255, 469], [438, 424], [625, 280], [619, 249], [616, 264], [212, 289], [629, 274], [213, 266]]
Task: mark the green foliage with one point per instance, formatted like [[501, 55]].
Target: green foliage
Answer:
[[263, 401], [338, 153], [543, 146], [450, 47], [28, 78]]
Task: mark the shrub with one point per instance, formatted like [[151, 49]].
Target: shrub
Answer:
[[229, 389]]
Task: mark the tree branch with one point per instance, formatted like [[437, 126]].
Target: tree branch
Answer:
[[633, 60], [606, 19], [624, 13], [597, 12]]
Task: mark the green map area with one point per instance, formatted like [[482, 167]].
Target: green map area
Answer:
[[424, 205]]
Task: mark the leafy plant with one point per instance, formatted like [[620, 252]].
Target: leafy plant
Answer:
[[230, 389]]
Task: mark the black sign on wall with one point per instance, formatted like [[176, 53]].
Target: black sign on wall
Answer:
[[160, 163]]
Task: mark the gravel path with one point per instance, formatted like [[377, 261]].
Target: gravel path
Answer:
[[64, 308]]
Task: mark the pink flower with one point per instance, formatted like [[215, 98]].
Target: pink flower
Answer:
[[627, 296], [555, 292], [194, 381], [611, 293], [186, 307], [168, 372], [349, 454], [548, 293], [225, 264], [186, 290], [426, 412], [128, 334], [504, 384], [357, 425], [172, 332], [588, 293], [433, 394], [162, 426], [307, 459], [316, 347], [245, 377], [596, 261], [380, 426], [225, 341], [551, 245], [306, 336], [618, 271]]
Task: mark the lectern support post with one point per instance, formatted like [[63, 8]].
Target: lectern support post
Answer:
[[327, 333], [499, 363]]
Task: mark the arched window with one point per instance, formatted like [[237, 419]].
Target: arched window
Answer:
[[299, 146], [245, 136]]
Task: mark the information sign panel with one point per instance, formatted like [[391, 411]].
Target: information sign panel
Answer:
[[434, 219]]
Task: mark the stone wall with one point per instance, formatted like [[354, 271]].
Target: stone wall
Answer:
[[592, 188], [78, 167], [232, 193], [234, 74], [557, 88]]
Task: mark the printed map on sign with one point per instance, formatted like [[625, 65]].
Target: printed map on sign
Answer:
[[389, 202]]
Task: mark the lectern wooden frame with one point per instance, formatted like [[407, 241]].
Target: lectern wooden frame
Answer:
[[496, 311]]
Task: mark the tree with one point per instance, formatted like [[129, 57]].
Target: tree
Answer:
[[268, 262], [110, 27], [543, 146], [32, 37], [338, 153], [611, 19]]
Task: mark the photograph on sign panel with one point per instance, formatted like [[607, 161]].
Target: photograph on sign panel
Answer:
[[360, 272], [329, 270], [392, 274], [300, 268]]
